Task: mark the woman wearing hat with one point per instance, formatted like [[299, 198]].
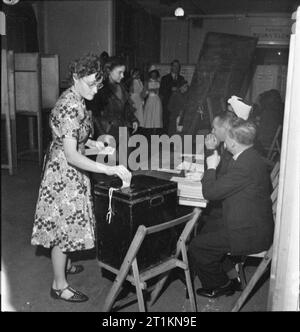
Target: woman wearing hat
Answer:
[[153, 106], [136, 89]]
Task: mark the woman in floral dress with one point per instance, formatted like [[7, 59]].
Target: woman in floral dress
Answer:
[[64, 219]]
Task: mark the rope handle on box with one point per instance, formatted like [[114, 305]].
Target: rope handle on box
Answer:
[[110, 211]]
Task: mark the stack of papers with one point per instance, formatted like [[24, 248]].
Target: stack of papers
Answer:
[[189, 191]]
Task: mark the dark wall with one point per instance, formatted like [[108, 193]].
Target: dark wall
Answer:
[[21, 27], [137, 34]]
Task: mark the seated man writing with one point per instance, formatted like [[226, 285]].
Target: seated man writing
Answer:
[[246, 226]]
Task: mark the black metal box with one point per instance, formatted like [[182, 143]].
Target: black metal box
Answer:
[[148, 201]]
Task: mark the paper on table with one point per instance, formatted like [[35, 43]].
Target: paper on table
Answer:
[[194, 176], [167, 170], [190, 167], [185, 180]]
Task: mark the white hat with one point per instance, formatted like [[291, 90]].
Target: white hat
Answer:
[[241, 109], [152, 68]]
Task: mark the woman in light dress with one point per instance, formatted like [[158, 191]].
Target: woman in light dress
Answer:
[[64, 217], [136, 90], [153, 105]]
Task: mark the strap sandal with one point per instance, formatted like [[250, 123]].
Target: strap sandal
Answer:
[[75, 269], [76, 297]]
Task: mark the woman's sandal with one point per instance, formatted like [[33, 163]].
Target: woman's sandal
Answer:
[[76, 297], [75, 269]]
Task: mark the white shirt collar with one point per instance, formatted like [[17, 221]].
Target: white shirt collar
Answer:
[[235, 157]]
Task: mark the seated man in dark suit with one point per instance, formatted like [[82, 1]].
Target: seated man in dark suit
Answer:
[[221, 124], [212, 215], [247, 223]]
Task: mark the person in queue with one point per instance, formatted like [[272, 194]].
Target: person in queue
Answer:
[[176, 108], [169, 83], [136, 88], [64, 219], [113, 107], [153, 112], [269, 110]]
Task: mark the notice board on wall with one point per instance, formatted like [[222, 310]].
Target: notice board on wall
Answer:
[[223, 65], [267, 77]]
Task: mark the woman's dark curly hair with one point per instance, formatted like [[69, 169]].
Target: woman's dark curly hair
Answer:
[[86, 65], [113, 62]]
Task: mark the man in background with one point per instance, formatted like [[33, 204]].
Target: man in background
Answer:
[[169, 83]]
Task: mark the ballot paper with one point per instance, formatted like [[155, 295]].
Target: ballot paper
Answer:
[[108, 150], [126, 184]]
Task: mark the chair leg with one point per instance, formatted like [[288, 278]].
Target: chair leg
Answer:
[[196, 229], [124, 269], [113, 293], [256, 276], [190, 290], [139, 291], [188, 278]]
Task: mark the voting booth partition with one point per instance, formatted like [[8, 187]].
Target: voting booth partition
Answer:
[[32, 87]]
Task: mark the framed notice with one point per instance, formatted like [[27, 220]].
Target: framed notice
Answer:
[[271, 35]]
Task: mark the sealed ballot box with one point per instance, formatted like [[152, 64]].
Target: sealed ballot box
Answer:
[[119, 212]]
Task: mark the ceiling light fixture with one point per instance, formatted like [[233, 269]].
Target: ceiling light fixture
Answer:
[[10, 2], [179, 12]]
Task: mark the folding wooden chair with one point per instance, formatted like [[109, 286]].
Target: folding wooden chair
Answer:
[[265, 255], [129, 269], [275, 146]]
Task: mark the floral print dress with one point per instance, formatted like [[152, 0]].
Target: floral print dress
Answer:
[[64, 214]]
